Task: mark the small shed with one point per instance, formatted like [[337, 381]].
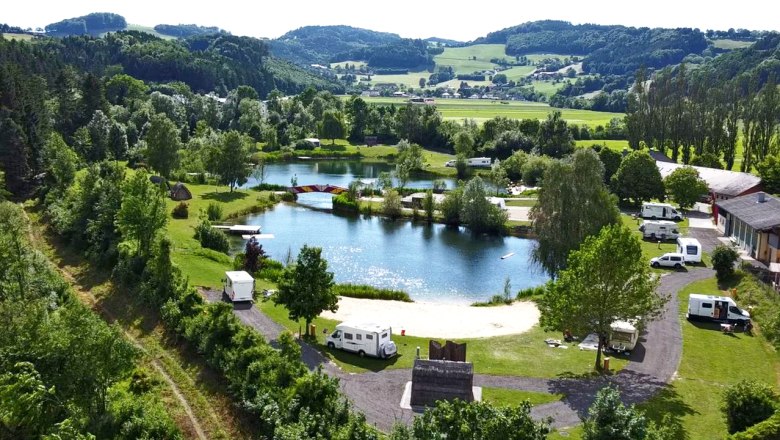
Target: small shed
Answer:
[[434, 380], [180, 191]]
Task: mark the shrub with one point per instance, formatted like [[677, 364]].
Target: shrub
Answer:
[[182, 210], [391, 207], [289, 197], [342, 203], [723, 259], [211, 238], [769, 429], [370, 292], [271, 270], [746, 403], [531, 292], [495, 300], [214, 211], [303, 144]]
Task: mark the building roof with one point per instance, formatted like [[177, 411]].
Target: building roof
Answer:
[[239, 276], [729, 183], [759, 215]]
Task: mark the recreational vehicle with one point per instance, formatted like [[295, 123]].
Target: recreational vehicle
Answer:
[[715, 308], [480, 162], [363, 339], [660, 210], [623, 336], [659, 229], [690, 248], [238, 286]]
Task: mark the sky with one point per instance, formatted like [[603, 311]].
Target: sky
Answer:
[[457, 20]]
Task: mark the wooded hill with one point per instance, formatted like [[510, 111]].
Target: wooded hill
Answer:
[[319, 44], [91, 24], [187, 30]]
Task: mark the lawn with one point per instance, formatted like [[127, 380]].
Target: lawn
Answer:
[[617, 145], [508, 397], [410, 80], [651, 248], [514, 355], [547, 88], [21, 37], [731, 44], [711, 361], [522, 203], [517, 72], [205, 267], [482, 110]]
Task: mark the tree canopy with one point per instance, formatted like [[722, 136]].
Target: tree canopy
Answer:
[[685, 186], [606, 280], [638, 178]]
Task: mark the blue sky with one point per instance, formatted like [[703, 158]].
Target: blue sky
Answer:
[[459, 20]]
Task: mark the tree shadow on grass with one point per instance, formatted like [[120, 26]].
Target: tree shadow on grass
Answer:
[[667, 409], [329, 147], [371, 364], [225, 197]]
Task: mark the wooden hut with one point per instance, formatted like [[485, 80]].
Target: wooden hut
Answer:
[[180, 192], [434, 380]]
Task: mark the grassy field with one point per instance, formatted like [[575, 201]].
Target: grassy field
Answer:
[[507, 397], [520, 355], [357, 64], [21, 37], [711, 361], [148, 30], [731, 44], [410, 80], [462, 58], [617, 145], [482, 110], [547, 88], [517, 72]]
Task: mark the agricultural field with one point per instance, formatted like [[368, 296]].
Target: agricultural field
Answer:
[[731, 44], [482, 110], [517, 72], [462, 58], [410, 80], [21, 37], [547, 88], [618, 145], [148, 30]]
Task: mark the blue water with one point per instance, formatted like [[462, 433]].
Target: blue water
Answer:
[[430, 262]]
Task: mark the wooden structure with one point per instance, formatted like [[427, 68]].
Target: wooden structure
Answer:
[[434, 380], [302, 189], [371, 141], [451, 351], [180, 192]]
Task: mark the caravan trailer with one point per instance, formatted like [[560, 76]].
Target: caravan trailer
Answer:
[[238, 286], [363, 339], [623, 336], [480, 162], [690, 248], [660, 210]]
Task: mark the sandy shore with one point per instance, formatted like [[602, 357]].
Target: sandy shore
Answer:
[[439, 320]]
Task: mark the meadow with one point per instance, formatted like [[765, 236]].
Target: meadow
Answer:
[[21, 37], [482, 110]]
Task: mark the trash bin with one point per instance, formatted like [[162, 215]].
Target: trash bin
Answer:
[[312, 329], [606, 364]]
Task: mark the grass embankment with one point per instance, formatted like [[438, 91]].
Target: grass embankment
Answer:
[[508, 397], [201, 387], [481, 110], [514, 355], [711, 361], [205, 267]]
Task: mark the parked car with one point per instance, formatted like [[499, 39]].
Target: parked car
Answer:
[[672, 259]]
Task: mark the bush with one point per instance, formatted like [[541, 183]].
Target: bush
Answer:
[[271, 270], [182, 210], [303, 144], [289, 197], [211, 238], [746, 403], [531, 292], [769, 429], [391, 207], [723, 259], [214, 211], [370, 292], [270, 187], [342, 203], [495, 300]]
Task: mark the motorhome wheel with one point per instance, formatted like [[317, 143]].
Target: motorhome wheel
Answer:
[[362, 353], [331, 345]]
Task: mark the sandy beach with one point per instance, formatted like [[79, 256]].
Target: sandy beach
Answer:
[[439, 320]]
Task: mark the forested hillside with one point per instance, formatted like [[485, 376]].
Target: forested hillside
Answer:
[[91, 24], [318, 44], [401, 54], [187, 30]]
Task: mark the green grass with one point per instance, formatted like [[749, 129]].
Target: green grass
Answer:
[[522, 203], [482, 110], [508, 397], [148, 30], [357, 64], [410, 80], [203, 266], [462, 58], [517, 72], [617, 145], [514, 355], [731, 44], [21, 37], [711, 361], [547, 88]]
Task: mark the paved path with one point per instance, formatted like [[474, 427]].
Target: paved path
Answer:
[[653, 364]]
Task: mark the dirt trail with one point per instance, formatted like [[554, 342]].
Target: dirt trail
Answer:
[[88, 299]]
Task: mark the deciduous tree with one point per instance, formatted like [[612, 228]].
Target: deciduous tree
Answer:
[[162, 145], [606, 280], [748, 402], [685, 186], [231, 164], [332, 126], [306, 288], [638, 178], [143, 213], [554, 138]]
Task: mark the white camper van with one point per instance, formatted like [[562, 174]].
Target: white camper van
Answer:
[[480, 162], [716, 308], [238, 286], [660, 210], [690, 248], [659, 229], [363, 339], [623, 336]]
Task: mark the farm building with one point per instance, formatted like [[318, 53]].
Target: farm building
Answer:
[[752, 222], [180, 191], [723, 184]]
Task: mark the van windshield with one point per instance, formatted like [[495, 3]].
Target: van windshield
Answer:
[[736, 310], [621, 336]]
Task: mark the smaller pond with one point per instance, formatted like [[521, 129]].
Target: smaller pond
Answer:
[[334, 172]]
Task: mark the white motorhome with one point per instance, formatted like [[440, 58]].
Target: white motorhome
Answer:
[[238, 286], [480, 162], [690, 248], [659, 229], [623, 336], [660, 210], [715, 308], [363, 339]]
